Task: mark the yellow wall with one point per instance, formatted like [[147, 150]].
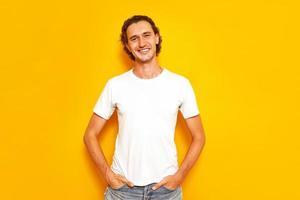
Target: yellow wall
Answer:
[[242, 58]]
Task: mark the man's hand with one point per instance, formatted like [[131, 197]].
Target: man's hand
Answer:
[[170, 182], [116, 180]]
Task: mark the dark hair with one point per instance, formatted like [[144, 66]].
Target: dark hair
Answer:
[[135, 19]]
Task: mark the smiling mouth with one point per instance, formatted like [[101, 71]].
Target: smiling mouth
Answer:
[[144, 50]]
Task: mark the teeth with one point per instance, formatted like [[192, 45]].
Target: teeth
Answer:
[[144, 50]]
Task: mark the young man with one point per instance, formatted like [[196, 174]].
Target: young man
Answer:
[[147, 99]]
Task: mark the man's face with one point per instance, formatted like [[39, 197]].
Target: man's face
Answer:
[[142, 41]]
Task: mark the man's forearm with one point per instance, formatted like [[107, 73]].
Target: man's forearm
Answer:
[[96, 153], [191, 156]]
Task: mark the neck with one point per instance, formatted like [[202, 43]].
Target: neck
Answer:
[[147, 70]]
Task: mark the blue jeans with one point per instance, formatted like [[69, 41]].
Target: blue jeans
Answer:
[[143, 193]]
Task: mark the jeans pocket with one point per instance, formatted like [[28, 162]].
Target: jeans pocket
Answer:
[[169, 189], [119, 188]]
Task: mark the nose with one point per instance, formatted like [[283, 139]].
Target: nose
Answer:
[[141, 42]]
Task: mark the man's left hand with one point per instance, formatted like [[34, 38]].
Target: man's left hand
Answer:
[[170, 182]]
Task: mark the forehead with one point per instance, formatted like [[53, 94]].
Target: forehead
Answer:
[[139, 28]]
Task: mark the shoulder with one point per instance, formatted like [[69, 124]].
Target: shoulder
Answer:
[[177, 78], [118, 79]]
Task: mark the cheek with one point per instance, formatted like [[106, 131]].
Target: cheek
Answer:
[[130, 46], [133, 47]]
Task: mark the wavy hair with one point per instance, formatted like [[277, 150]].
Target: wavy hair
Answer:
[[135, 19]]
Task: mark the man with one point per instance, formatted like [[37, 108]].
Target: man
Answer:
[[147, 99]]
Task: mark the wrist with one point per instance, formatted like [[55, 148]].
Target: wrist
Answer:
[[106, 174], [179, 174]]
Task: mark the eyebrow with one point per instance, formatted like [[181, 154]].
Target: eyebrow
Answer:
[[146, 32]]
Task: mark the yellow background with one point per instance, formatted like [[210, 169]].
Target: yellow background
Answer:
[[242, 58]]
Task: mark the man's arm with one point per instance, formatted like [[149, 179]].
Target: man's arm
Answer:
[[93, 129], [195, 127]]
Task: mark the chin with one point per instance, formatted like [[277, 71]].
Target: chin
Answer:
[[144, 60]]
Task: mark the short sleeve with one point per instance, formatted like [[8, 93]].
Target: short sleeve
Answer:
[[104, 106], [189, 107]]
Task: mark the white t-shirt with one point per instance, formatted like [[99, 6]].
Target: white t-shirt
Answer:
[[145, 151]]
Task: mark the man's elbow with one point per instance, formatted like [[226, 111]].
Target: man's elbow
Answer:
[[88, 136], [85, 138], [200, 138]]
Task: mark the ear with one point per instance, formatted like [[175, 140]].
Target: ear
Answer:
[[156, 38]]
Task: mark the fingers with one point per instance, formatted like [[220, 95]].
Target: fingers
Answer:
[[158, 185], [122, 178], [130, 184], [114, 179]]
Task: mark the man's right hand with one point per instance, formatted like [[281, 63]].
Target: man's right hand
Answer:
[[116, 180]]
